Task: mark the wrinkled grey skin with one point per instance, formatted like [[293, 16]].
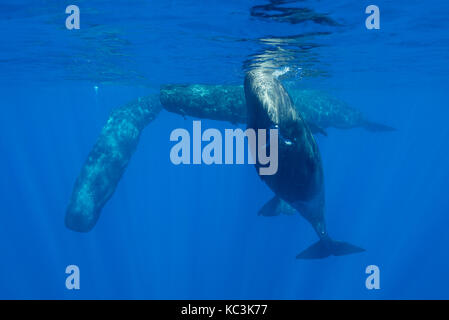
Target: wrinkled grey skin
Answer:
[[107, 162], [299, 180], [215, 102], [227, 103]]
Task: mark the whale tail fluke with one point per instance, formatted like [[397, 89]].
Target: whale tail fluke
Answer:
[[326, 247], [376, 127]]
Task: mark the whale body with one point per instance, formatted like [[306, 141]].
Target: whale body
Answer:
[[227, 103], [107, 161], [299, 180]]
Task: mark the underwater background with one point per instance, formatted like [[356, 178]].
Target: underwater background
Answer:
[[192, 232]]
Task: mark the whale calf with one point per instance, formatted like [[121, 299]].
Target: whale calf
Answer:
[[299, 180], [227, 103]]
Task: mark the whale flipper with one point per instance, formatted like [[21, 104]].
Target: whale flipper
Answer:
[[271, 208], [275, 206], [326, 247]]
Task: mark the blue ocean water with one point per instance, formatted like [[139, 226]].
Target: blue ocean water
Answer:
[[192, 232]]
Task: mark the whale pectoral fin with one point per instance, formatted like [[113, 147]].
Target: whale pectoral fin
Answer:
[[271, 208], [316, 128], [287, 209], [326, 247], [275, 207]]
